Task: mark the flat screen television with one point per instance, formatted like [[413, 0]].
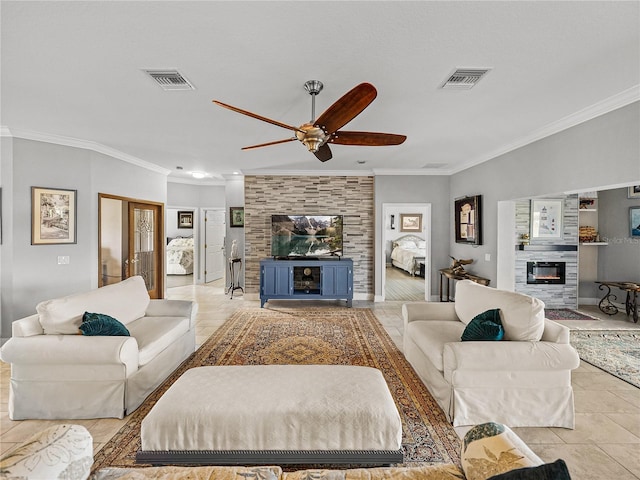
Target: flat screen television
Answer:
[[306, 235]]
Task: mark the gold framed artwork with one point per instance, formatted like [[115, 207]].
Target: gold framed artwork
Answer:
[[411, 222], [53, 216]]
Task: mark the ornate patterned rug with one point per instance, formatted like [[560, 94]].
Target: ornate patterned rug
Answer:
[[565, 314], [614, 351], [336, 336]]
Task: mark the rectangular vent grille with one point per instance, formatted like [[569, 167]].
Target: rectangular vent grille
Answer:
[[464, 78], [170, 79], [434, 165]]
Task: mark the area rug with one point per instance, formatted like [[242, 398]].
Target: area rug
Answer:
[[614, 351], [565, 314], [335, 336]]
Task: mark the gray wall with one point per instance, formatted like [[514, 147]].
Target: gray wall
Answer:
[[187, 195], [417, 189], [597, 154], [620, 260], [30, 273]]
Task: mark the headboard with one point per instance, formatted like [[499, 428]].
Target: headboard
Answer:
[[410, 238]]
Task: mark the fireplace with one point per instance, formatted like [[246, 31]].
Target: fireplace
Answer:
[[546, 272]]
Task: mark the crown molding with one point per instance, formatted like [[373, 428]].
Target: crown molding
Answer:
[[202, 183], [84, 144], [309, 173], [607, 105], [411, 172]]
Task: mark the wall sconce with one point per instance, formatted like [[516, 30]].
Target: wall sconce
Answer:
[[393, 217]]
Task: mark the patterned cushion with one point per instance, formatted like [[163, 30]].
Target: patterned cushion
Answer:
[[484, 326], [59, 452], [549, 471], [432, 472], [492, 448]]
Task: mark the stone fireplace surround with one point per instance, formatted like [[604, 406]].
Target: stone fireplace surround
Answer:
[[564, 249]]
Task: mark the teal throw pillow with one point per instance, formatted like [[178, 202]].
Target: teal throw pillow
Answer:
[[484, 326], [94, 324], [549, 471]]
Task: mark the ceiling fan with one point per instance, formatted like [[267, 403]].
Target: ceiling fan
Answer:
[[317, 134]]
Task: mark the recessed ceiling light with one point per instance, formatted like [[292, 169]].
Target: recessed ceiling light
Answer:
[[362, 162], [179, 167], [199, 174]]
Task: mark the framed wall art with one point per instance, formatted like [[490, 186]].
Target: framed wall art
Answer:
[[236, 214], [468, 220], [634, 192], [411, 222], [546, 219], [634, 221], [53, 216], [185, 219]]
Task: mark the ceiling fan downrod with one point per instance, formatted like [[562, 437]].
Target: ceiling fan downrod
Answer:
[[314, 87], [312, 137]]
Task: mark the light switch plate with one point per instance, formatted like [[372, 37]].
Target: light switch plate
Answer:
[[487, 257], [63, 259]]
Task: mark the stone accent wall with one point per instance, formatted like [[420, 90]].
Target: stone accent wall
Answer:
[[554, 296], [351, 197]]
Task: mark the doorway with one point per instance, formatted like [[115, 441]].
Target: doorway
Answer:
[[410, 278], [130, 241]]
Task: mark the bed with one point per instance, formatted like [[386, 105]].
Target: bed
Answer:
[[180, 256], [408, 252]]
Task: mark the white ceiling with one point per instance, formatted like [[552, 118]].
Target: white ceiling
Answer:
[[73, 70]]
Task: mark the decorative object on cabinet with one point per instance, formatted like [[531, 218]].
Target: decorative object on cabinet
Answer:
[[185, 219], [468, 220], [236, 216], [546, 219], [411, 222], [53, 216], [634, 192], [634, 221]]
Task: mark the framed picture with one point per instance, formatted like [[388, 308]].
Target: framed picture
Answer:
[[546, 219], [53, 216], [185, 219], [411, 222], [468, 220], [634, 221], [236, 214], [634, 192]]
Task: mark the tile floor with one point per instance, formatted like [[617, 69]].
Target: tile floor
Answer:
[[604, 445]]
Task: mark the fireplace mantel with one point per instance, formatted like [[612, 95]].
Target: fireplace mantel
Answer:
[[548, 248]]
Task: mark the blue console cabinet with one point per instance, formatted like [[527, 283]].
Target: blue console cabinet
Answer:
[[306, 279]]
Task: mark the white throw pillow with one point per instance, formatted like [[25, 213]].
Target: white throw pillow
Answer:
[[125, 301], [522, 315]]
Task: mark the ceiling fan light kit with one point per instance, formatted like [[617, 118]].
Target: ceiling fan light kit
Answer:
[[317, 134]]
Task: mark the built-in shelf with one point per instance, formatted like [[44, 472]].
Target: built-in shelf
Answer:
[[594, 243]]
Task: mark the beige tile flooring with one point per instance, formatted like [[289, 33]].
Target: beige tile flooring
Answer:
[[604, 445]]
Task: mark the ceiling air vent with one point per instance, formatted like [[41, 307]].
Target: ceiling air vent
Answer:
[[464, 78], [170, 79]]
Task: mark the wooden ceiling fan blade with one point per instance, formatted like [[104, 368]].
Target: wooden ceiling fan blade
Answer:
[[276, 142], [350, 105], [367, 139], [256, 116], [324, 153]]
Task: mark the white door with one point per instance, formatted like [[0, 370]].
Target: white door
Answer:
[[214, 231]]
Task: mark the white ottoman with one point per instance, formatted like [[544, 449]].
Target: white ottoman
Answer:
[[274, 414]]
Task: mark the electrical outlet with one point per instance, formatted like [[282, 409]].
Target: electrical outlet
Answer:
[[487, 257], [63, 259]]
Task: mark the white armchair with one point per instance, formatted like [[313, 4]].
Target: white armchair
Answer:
[[523, 380]]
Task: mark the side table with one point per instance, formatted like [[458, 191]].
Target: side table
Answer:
[[447, 273], [631, 303], [234, 275]]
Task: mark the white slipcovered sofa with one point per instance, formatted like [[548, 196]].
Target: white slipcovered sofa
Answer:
[[523, 380], [57, 373]]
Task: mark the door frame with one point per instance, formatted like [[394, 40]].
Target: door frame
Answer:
[[425, 209], [159, 243]]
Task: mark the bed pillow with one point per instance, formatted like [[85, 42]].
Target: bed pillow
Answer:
[[485, 326], [99, 324]]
